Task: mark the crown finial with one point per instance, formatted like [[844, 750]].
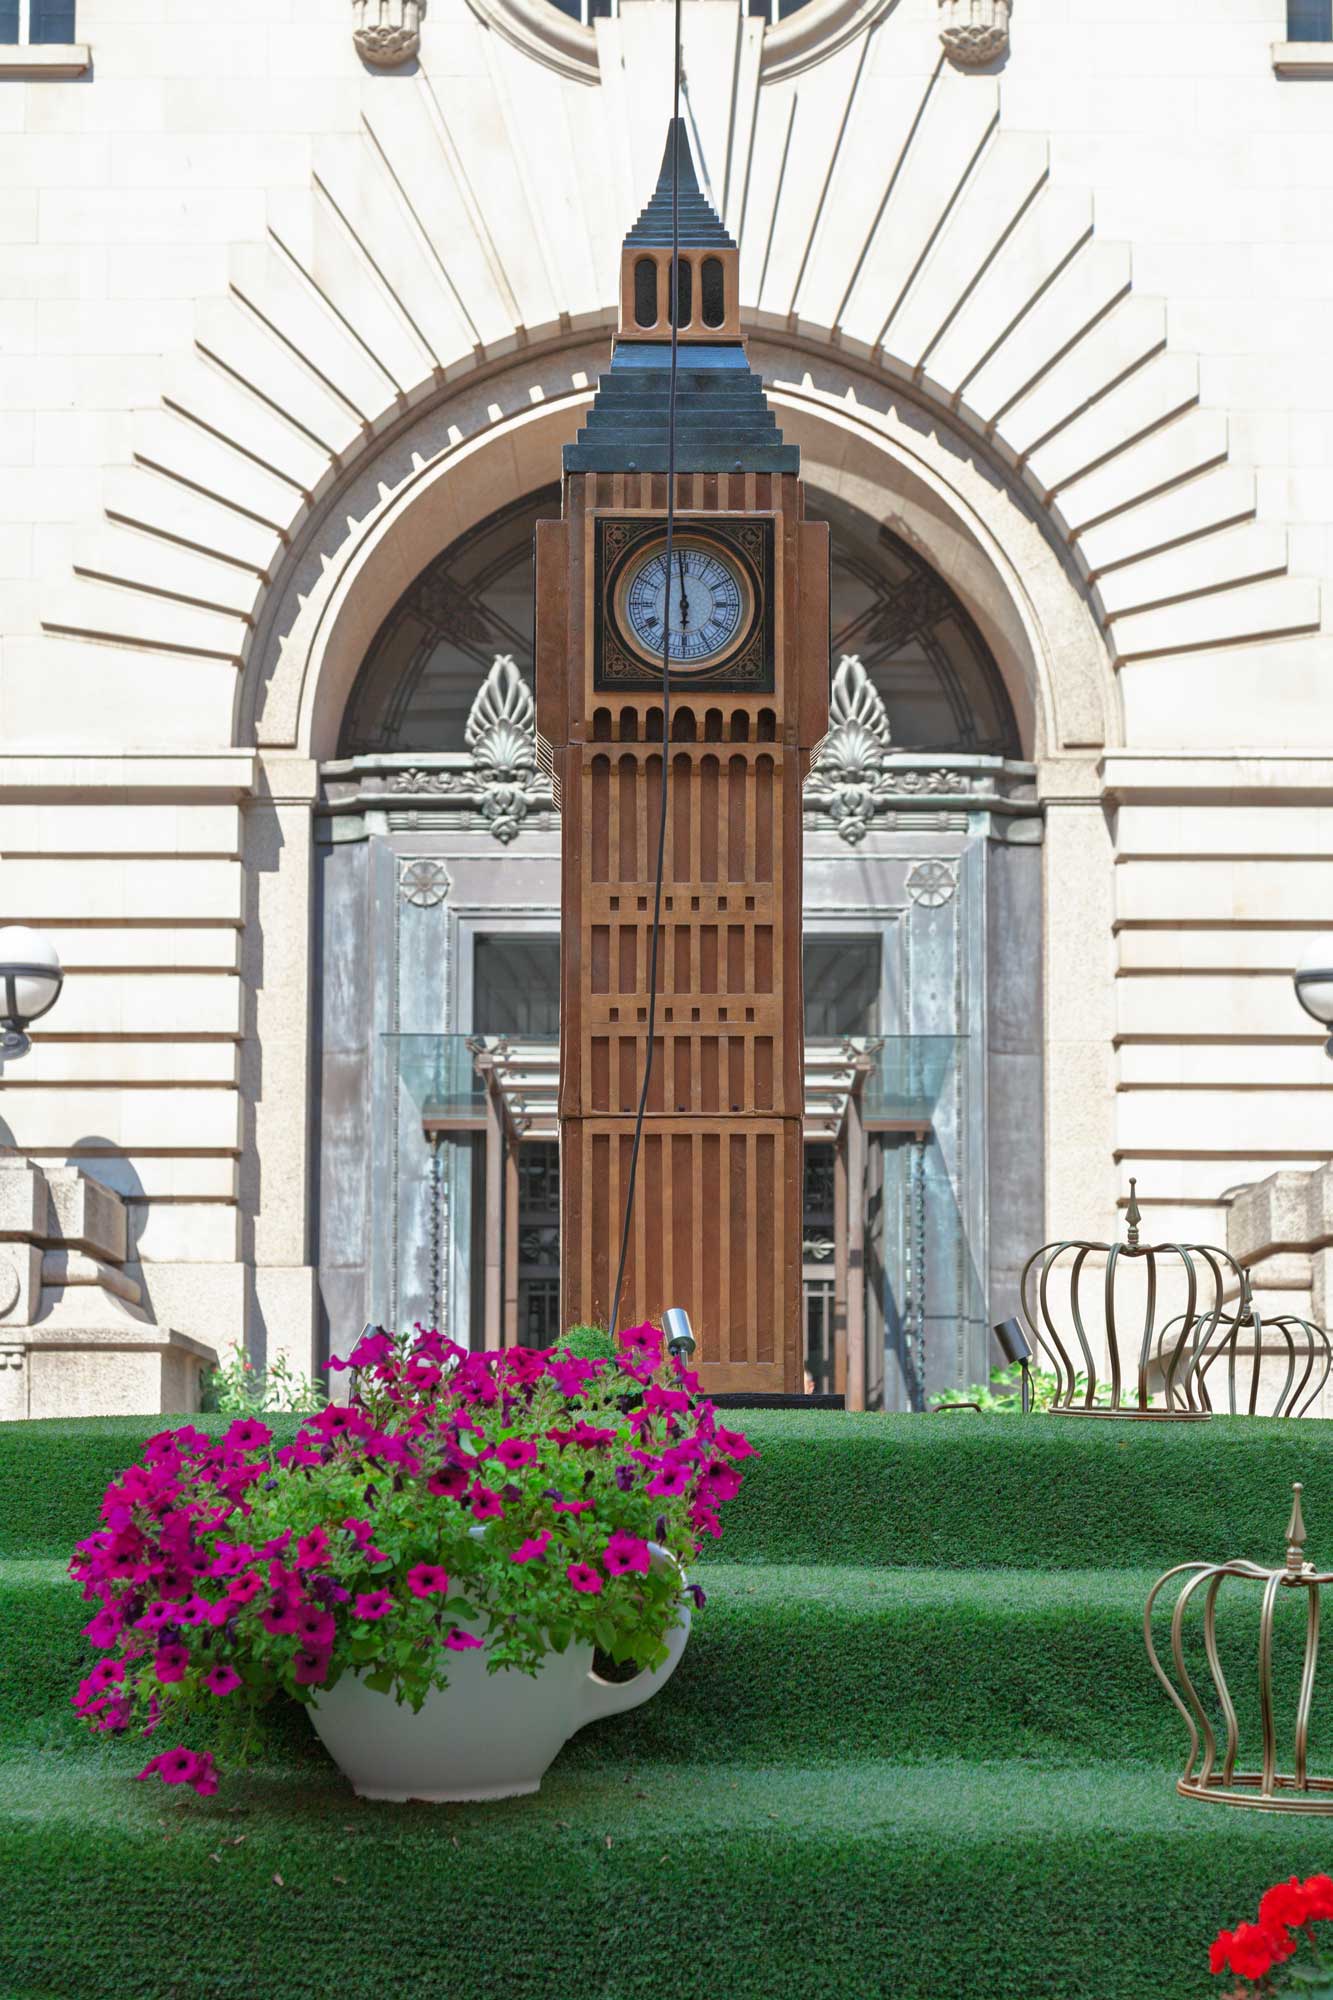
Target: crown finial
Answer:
[[1296, 1534], [1133, 1216]]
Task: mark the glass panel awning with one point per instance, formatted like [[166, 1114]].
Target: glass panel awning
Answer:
[[899, 1079]]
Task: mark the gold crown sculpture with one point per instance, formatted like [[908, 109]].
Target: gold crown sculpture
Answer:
[[1268, 1789], [1303, 1341], [1180, 1358]]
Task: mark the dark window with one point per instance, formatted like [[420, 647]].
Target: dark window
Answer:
[[925, 654], [1310, 20], [685, 292], [51, 21], [516, 986], [712, 291], [9, 20], [842, 985], [645, 292]]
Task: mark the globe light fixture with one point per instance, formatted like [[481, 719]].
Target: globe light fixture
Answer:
[[1313, 980], [30, 983]]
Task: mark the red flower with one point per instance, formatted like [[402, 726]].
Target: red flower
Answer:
[[1255, 1950], [1285, 1905], [1318, 1898], [1219, 1955]]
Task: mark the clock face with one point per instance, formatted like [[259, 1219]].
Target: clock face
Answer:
[[704, 602]]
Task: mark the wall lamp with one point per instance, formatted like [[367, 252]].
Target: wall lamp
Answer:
[[30, 983], [1313, 980]]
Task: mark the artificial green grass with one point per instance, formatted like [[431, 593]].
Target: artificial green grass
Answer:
[[785, 1660], [843, 1882], [914, 1749], [959, 1492]]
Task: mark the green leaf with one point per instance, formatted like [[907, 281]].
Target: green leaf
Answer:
[[381, 1681]]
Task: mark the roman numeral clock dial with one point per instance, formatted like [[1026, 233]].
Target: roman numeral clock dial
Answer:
[[702, 605]]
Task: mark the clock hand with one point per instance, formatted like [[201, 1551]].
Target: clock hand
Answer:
[[684, 600]]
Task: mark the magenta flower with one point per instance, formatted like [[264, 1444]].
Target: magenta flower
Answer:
[[159, 1614], [592, 1435], [734, 1443], [205, 1779], [281, 1614], [221, 1679], [312, 1549], [315, 1628], [459, 1641], [720, 1481], [515, 1453], [428, 1580], [571, 1506], [174, 1767], [584, 1578], [626, 1552], [247, 1434], [449, 1484], [373, 1604], [242, 1589], [670, 1479], [310, 1669], [486, 1506], [172, 1663], [104, 1629], [532, 1549]]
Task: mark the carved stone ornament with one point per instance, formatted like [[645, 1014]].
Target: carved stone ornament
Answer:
[[423, 884], [505, 782], [387, 32], [849, 776], [974, 32], [932, 883]]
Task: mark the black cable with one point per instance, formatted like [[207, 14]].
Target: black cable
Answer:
[[674, 310]]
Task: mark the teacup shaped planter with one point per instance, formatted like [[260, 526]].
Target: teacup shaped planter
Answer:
[[485, 1736]]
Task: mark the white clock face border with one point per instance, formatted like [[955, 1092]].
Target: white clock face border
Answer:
[[708, 594], [716, 602]]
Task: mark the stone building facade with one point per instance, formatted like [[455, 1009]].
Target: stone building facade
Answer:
[[299, 300]]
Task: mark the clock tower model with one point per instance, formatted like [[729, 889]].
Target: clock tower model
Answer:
[[745, 603]]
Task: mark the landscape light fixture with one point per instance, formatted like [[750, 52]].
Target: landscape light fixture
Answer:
[[30, 983], [1313, 980], [679, 1333], [1015, 1347]]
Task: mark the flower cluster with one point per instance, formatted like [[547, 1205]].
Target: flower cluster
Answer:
[[456, 1501], [1254, 1951]]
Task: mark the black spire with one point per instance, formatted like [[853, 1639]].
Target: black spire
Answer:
[[699, 225]]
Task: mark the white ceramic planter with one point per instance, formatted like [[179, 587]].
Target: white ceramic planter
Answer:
[[485, 1736]]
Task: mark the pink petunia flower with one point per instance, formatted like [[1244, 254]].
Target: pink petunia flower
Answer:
[[312, 1549], [310, 1669], [486, 1506], [428, 1580], [532, 1549], [222, 1679], [104, 1629], [584, 1578], [625, 1552], [172, 1663], [247, 1434], [515, 1453], [174, 1767], [242, 1589], [734, 1443], [315, 1628], [281, 1614], [373, 1604], [450, 1484], [670, 1479], [459, 1641], [572, 1506]]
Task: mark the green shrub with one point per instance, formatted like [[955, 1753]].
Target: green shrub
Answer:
[[589, 1343]]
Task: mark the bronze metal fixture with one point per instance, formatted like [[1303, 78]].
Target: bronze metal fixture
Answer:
[[1208, 1273], [1305, 1343], [1267, 1789]]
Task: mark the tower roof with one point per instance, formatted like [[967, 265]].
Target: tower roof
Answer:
[[700, 227]]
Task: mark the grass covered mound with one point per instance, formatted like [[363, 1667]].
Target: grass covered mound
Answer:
[[914, 1749], [959, 1491]]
